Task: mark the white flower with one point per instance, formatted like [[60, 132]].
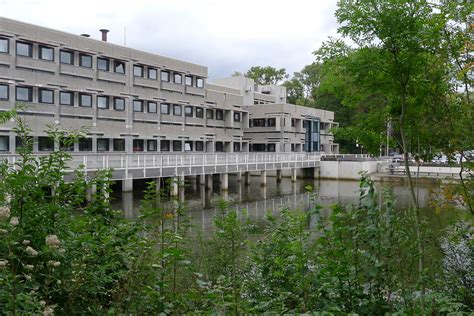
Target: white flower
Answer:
[[27, 277], [29, 267], [48, 311], [54, 264], [4, 212], [14, 221], [3, 231], [42, 303], [31, 251], [26, 242], [53, 241], [3, 263]]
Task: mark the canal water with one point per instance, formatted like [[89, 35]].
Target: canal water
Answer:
[[256, 200]]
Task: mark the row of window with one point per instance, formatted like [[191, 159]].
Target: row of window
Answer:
[[115, 144], [261, 122], [25, 94], [262, 147], [25, 49]]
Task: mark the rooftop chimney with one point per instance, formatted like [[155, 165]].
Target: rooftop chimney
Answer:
[[104, 34], [85, 35]]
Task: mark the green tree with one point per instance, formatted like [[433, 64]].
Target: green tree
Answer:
[[266, 75]]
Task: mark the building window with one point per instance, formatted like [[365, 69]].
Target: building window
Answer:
[[24, 143], [119, 67], [293, 122], [85, 144], [46, 96], [4, 92], [199, 146], [138, 145], [165, 145], [152, 107], [271, 121], [4, 45], [188, 111], [103, 144], [4, 143], [271, 147], [66, 144], [85, 100], [46, 53], [177, 110], [151, 145], [138, 71], [177, 145], [119, 104], [188, 145], [178, 79], [219, 146], [209, 114], [24, 94], [137, 106], [236, 147], [258, 147], [85, 60], [118, 144], [188, 80], [236, 116], [165, 76], [45, 144], [219, 114], [199, 82], [103, 64], [165, 108], [66, 98], [258, 122], [199, 113], [24, 49], [152, 73], [66, 57], [102, 102]]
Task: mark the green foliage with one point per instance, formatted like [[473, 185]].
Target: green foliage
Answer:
[[266, 75]]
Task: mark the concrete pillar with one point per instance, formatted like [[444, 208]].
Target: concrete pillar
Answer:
[[174, 187], [239, 176], [247, 177], [263, 177], [293, 175], [127, 185], [209, 181], [224, 181], [127, 205], [181, 188], [278, 175], [90, 192], [202, 179], [316, 173], [158, 184]]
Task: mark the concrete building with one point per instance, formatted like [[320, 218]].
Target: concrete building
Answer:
[[133, 101]]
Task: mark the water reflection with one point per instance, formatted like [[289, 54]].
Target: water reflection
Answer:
[[257, 200]]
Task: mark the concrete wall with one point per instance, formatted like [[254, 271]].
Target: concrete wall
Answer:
[[348, 170]]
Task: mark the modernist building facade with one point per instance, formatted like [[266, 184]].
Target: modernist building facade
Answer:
[[133, 101]]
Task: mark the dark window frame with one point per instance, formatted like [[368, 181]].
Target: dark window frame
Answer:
[[199, 83], [40, 95], [142, 71], [209, 114], [107, 103], [199, 112], [99, 59], [40, 52], [189, 84], [168, 76], [151, 141], [148, 107], [199, 145], [106, 141], [81, 63], [69, 93], [7, 91], [137, 102], [165, 106], [271, 122], [69, 53], [8, 45], [177, 110], [80, 100], [165, 145], [271, 147], [138, 145], [155, 71], [118, 144], [219, 146], [219, 114], [177, 146], [115, 104], [237, 117], [30, 49], [85, 144], [117, 64], [178, 75], [188, 111], [7, 137], [45, 140], [30, 93]]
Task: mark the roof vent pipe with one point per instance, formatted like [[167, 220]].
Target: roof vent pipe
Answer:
[[85, 35], [104, 34]]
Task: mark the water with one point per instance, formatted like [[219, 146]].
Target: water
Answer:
[[257, 200]]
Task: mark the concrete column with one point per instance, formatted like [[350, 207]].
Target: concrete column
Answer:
[[316, 173], [224, 181], [293, 175], [127, 205], [202, 179], [127, 185], [209, 181], [239, 176], [90, 192], [181, 188], [174, 187], [263, 178], [158, 184], [247, 178], [278, 175]]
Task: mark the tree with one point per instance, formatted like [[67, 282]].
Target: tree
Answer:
[[266, 75]]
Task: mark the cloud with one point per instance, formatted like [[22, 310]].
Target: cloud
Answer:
[[224, 35]]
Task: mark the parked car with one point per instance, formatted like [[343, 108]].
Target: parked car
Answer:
[[440, 159]]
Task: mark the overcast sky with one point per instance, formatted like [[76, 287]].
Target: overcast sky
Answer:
[[224, 35]]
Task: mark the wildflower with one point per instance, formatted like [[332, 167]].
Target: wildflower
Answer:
[[4, 212], [31, 251], [14, 221], [27, 277], [3, 263], [3, 231], [53, 241], [29, 267], [42, 303], [54, 264], [48, 311], [26, 242]]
